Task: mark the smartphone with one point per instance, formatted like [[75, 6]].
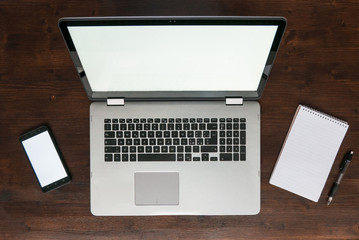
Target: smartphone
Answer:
[[45, 158]]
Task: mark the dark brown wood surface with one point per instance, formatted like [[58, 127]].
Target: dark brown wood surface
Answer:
[[317, 65]]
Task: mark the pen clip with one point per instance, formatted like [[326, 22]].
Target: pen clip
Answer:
[[343, 164], [346, 160]]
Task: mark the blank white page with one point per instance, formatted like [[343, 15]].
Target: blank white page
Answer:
[[308, 153]]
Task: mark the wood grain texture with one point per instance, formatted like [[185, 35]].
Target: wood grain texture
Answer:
[[317, 65]]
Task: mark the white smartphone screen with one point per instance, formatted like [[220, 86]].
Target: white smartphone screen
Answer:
[[44, 158]]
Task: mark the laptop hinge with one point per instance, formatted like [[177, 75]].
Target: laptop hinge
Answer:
[[115, 102], [234, 101]]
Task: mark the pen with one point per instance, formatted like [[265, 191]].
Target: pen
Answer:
[[343, 167]]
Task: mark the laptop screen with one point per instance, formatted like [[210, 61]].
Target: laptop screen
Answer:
[[137, 59], [173, 58]]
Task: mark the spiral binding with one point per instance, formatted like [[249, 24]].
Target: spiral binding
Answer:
[[325, 116]]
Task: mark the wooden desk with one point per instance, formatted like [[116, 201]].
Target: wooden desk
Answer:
[[317, 65]]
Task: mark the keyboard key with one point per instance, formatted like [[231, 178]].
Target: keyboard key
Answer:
[[110, 141], [109, 149], [107, 120], [109, 134], [180, 157], [214, 159], [133, 157], [156, 157], [117, 158], [209, 149], [124, 157], [180, 149], [121, 142], [144, 142], [212, 126], [148, 149], [184, 141], [160, 141], [164, 149], [225, 156], [205, 156], [188, 157], [243, 137], [108, 157]]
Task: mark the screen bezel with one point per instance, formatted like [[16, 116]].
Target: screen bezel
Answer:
[[64, 23], [59, 182]]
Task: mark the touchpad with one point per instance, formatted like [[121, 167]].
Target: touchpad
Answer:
[[156, 188]]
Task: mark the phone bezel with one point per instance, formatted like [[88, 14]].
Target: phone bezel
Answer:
[[59, 182]]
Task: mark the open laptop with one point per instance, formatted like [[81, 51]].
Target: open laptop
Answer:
[[174, 123]]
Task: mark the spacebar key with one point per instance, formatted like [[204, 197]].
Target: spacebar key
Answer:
[[156, 157]]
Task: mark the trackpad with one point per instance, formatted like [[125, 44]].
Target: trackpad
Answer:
[[156, 188]]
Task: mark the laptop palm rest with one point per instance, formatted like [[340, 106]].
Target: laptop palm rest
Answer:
[[156, 188]]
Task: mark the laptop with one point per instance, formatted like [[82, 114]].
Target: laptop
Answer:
[[174, 118]]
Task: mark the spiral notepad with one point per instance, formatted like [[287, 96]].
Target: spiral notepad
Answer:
[[308, 152]]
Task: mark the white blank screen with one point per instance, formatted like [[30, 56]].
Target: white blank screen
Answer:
[[173, 58], [44, 158]]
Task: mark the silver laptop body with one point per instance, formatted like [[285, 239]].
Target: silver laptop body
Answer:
[[174, 123]]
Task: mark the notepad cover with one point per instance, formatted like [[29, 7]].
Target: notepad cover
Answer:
[[308, 153]]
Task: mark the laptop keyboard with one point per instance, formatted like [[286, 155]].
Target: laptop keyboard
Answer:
[[174, 139]]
